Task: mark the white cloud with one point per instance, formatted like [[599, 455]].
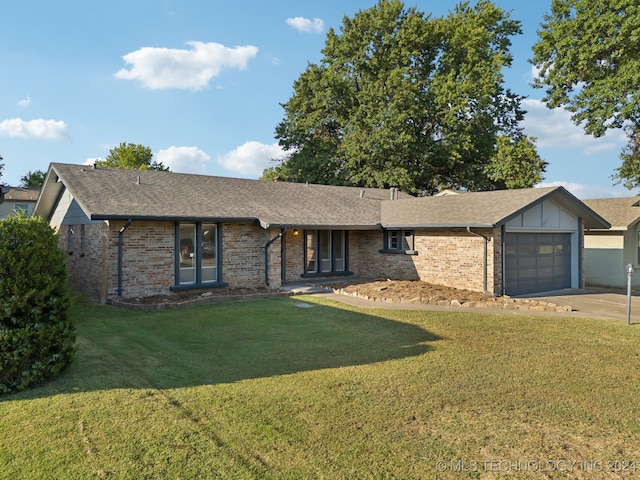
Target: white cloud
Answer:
[[187, 69], [306, 25], [25, 102], [184, 159], [554, 129], [39, 129], [585, 192], [251, 158]]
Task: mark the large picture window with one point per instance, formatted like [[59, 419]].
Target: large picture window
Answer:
[[197, 254], [325, 252]]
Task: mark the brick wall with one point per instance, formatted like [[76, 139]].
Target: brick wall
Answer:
[[450, 257], [83, 256], [455, 258], [243, 255], [147, 258], [367, 261], [294, 255]]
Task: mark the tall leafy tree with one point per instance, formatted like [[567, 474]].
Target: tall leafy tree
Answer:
[[402, 99], [130, 155], [588, 57], [515, 163], [33, 179]]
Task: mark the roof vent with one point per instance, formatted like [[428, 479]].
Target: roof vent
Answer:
[[138, 182], [362, 193]]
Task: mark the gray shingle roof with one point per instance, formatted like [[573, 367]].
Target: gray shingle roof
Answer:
[[479, 209], [22, 194], [108, 193], [621, 213]]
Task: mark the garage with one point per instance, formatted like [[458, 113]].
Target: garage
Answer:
[[504, 242], [537, 262]]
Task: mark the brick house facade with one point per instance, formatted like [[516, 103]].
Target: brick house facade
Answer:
[[134, 234]]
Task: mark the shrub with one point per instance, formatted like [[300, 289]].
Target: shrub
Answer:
[[37, 335]]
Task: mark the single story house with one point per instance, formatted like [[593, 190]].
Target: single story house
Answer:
[[18, 200], [607, 252], [133, 233]]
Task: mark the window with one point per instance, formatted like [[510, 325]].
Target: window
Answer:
[[398, 241], [70, 234], [325, 252], [21, 209], [197, 256]]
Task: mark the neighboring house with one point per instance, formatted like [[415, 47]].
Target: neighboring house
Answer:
[[608, 252], [138, 233], [18, 200]]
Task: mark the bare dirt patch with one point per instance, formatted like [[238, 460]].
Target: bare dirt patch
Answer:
[[417, 292], [400, 289]]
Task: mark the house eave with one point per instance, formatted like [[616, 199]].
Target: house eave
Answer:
[[170, 218], [390, 226], [320, 226]]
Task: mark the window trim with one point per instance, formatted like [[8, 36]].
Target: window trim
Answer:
[[198, 284], [401, 233]]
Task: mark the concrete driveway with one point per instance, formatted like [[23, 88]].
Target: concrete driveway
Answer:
[[594, 302]]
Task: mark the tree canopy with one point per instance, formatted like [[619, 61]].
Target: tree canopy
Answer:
[[588, 57], [406, 100], [129, 155], [33, 179]]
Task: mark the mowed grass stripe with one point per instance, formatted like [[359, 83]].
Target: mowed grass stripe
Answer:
[[267, 389]]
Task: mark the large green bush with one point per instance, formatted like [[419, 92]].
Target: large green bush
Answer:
[[37, 335]]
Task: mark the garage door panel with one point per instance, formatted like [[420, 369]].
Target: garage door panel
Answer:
[[536, 262], [547, 272], [545, 262]]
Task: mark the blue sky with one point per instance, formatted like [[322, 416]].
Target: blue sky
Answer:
[[201, 82]]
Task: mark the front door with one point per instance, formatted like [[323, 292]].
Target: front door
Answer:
[[325, 251]]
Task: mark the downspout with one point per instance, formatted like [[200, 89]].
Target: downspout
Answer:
[[266, 256], [120, 245], [484, 266]]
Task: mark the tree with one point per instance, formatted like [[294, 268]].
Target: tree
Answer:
[[33, 179], [129, 155], [1, 167], [402, 99], [37, 334], [515, 164], [588, 57]]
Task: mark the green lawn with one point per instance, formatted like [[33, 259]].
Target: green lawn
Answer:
[[304, 388]]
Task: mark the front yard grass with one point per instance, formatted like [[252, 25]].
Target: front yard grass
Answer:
[[302, 387]]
